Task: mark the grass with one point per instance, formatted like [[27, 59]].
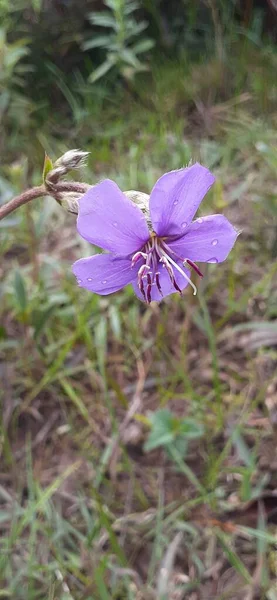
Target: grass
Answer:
[[86, 512]]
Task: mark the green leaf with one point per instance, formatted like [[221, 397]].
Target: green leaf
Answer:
[[129, 7], [101, 41], [143, 46], [47, 167], [157, 439], [180, 445], [258, 534], [100, 71], [20, 291], [134, 29], [168, 430], [162, 430], [40, 319], [103, 19], [75, 398], [130, 58], [243, 451], [190, 429], [233, 558]]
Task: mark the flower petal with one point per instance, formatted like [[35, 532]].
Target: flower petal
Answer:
[[165, 283], [208, 239], [104, 273], [107, 218], [175, 198]]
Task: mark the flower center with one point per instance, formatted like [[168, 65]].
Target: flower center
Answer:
[[156, 254]]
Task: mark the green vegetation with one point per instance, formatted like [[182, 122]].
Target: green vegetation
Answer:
[[138, 443]]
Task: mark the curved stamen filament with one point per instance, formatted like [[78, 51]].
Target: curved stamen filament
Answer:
[[143, 273], [174, 264], [170, 271], [184, 260], [137, 256]]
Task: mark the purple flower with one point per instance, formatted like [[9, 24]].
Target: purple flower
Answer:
[[155, 261]]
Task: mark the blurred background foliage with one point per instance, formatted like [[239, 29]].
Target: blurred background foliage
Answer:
[[52, 52]]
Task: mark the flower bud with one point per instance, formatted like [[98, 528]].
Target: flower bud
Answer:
[[73, 159], [69, 201]]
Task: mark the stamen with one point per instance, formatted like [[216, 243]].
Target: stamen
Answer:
[[141, 275], [141, 287], [148, 291], [143, 271], [193, 266], [184, 260], [177, 287], [170, 271], [180, 271], [137, 256], [157, 278], [166, 266]]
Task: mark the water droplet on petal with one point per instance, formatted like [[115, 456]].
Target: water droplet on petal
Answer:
[[213, 260], [175, 202], [104, 281], [115, 224], [214, 242], [89, 279], [79, 280], [184, 225], [200, 220]]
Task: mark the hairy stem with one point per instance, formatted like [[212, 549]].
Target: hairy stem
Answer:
[[39, 192], [23, 198]]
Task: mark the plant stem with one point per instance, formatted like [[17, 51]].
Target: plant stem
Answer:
[[42, 190], [23, 198]]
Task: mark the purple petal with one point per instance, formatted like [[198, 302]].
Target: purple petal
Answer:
[[104, 273], [107, 218], [165, 283], [209, 239], [175, 198]]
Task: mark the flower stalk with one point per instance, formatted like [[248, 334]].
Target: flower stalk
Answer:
[[58, 191]]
